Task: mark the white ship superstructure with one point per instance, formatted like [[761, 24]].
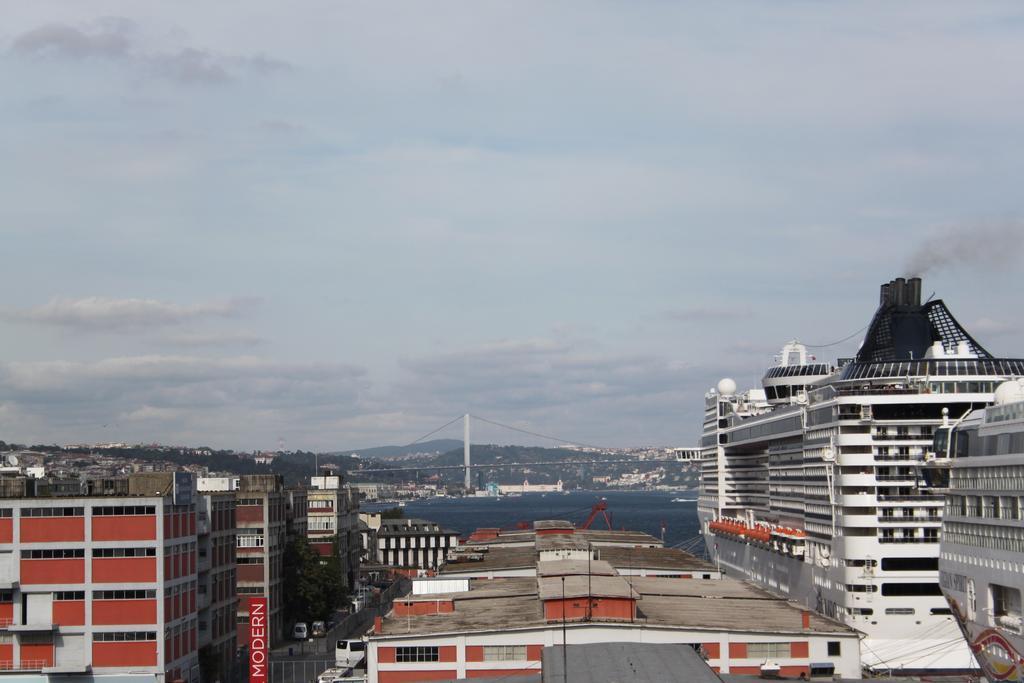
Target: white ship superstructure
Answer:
[[812, 485], [981, 567]]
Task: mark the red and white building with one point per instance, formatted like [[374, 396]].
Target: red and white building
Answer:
[[99, 580], [218, 601], [492, 611], [261, 513], [333, 522]]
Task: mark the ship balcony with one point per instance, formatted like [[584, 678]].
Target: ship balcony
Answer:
[[907, 539], [908, 479], [911, 521], [918, 498], [856, 459], [853, 440], [857, 499], [882, 439], [859, 520], [867, 479]]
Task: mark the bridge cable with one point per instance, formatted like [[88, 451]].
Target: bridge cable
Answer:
[[542, 436], [413, 443]]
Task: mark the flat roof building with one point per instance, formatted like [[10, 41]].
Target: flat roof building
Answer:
[[496, 619], [413, 543], [99, 579]]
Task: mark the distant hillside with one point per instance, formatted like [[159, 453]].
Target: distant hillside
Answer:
[[386, 452]]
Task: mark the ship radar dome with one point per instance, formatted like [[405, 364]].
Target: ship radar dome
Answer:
[[727, 386], [1007, 392]]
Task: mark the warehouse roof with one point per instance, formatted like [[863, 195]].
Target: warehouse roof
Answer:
[[516, 603]]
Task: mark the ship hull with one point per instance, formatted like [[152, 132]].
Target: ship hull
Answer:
[[928, 642]]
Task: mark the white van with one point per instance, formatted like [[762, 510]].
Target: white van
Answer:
[[300, 631], [348, 653]]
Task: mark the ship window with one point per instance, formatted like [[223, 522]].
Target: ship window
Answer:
[[941, 610], [906, 589], [910, 564], [1005, 601]]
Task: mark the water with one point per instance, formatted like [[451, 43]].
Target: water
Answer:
[[643, 511]]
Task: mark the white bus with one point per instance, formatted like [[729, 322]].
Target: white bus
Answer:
[[349, 653]]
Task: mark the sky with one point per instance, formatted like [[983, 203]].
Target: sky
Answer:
[[330, 224]]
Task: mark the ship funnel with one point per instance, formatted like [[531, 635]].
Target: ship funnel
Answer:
[[901, 292]]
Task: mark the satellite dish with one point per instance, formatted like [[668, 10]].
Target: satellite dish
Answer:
[[11, 460]]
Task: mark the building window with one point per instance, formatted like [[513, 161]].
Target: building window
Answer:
[[768, 650], [250, 560], [124, 595], [52, 554], [124, 552], [321, 523], [250, 541], [123, 636], [52, 512], [417, 654], [504, 653], [69, 595], [107, 510], [835, 648], [250, 590], [250, 501]]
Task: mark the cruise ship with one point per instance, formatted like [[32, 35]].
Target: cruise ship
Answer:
[[813, 486], [981, 565]]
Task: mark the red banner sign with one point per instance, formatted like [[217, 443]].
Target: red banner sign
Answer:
[[258, 640]]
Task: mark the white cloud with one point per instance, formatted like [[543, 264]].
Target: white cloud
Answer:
[[213, 339], [118, 39], [240, 401], [99, 313]]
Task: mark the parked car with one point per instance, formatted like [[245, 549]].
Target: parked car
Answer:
[[319, 629], [300, 631]]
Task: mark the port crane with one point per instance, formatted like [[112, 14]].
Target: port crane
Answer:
[[600, 507]]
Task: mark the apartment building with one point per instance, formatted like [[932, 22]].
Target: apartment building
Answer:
[[413, 543], [217, 600], [99, 579], [261, 520], [333, 519]]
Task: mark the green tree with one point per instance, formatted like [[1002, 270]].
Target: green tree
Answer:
[[300, 589], [314, 586], [392, 513]]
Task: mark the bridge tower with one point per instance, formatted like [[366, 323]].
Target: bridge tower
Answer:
[[465, 450]]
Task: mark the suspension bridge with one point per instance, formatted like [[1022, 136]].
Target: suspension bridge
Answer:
[[678, 455]]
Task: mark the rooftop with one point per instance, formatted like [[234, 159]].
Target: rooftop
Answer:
[[568, 567], [496, 558], [634, 662], [577, 586], [411, 526], [517, 603]]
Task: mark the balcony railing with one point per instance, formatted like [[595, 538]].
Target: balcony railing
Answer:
[[883, 539], [909, 520], [23, 665]]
